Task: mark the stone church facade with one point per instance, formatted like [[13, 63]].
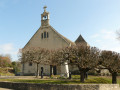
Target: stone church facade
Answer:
[[47, 37]]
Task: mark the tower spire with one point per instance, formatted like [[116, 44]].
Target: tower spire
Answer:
[[45, 17], [45, 8]]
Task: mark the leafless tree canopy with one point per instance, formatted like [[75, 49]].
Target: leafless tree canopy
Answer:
[[118, 34], [84, 57], [111, 60], [36, 55]]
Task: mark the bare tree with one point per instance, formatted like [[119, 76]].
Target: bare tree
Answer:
[[85, 58], [111, 60], [57, 57], [36, 55], [118, 34]]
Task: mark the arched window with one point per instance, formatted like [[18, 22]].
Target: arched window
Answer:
[[47, 35], [45, 17], [44, 34]]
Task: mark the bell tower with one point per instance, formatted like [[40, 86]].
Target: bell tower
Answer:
[[45, 17]]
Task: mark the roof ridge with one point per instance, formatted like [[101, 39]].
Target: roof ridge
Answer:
[[63, 37], [32, 37]]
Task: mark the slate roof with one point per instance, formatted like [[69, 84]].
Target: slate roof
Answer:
[[81, 40]]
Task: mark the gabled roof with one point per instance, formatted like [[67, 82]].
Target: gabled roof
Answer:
[[80, 39], [69, 42]]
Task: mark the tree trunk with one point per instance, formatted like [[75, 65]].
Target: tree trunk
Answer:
[[114, 78], [51, 70], [85, 75], [23, 69], [82, 77], [37, 75]]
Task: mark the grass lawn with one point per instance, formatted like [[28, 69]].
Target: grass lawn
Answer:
[[75, 80]]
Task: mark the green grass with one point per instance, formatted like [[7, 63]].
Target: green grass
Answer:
[[75, 80], [75, 76], [47, 81], [7, 74], [99, 80]]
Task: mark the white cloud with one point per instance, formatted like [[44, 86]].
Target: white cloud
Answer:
[[95, 36], [8, 49], [106, 40]]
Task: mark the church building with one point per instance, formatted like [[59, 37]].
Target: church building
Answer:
[[47, 37]]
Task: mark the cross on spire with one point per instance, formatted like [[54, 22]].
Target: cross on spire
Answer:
[[45, 8]]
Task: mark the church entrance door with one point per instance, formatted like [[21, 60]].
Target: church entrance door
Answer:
[[53, 70]]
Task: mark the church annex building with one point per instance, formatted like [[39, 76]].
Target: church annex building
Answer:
[[47, 37]]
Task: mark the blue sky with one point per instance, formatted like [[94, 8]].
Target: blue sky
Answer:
[[96, 20]]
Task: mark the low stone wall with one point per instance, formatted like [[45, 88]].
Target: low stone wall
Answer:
[[29, 86]]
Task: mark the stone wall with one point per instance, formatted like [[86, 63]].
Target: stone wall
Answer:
[[28, 86], [32, 70]]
